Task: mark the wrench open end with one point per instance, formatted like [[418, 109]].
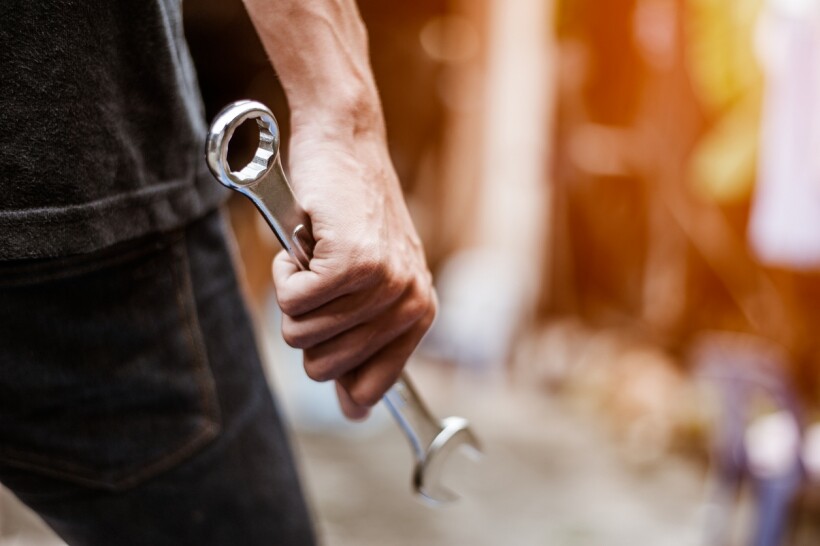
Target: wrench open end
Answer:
[[455, 435]]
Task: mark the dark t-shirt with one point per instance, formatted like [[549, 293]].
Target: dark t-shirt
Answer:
[[101, 126]]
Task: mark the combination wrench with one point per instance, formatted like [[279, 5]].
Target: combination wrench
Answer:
[[263, 181]]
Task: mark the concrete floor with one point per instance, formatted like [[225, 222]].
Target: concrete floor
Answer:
[[549, 476]]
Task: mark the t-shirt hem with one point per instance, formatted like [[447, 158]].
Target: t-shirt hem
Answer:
[[79, 229]]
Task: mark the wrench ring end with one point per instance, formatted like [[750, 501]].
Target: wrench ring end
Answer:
[[219, 138]]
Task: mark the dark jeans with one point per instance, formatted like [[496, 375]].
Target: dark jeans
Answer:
[[133, 406]]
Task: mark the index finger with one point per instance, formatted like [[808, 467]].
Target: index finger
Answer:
[[300, 291]]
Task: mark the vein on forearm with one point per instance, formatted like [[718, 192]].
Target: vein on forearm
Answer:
[[319, 49]]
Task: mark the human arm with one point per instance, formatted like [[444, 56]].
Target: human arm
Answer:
[[368, 298]]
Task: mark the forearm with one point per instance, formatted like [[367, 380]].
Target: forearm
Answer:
[[319, 50], [367, 299]]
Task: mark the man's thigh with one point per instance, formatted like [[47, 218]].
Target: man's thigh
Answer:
[[133, 406]]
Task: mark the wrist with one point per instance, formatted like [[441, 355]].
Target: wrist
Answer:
[[343, 114]]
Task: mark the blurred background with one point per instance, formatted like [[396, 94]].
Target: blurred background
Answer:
[[621, 204]]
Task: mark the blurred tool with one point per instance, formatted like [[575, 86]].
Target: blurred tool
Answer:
[[263, 181], [745, 369]]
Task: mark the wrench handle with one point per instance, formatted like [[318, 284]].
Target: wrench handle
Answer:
[[412, 415]]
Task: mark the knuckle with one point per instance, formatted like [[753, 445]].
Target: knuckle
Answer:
[[415, 308], [289, 337], [365, 396], [319, 370], [432, 309], [427, 319], [368, 266], [287, 303], [292, 336], [421, 305], [394, 286]]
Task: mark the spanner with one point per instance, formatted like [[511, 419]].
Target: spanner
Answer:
[[263, 181]]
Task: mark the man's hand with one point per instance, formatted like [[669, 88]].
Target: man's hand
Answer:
[[368, 298]]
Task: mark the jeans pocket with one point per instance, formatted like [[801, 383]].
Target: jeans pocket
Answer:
[[104, 377]]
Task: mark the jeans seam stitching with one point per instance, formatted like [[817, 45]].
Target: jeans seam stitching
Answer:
[[207, 385], [207, 388]]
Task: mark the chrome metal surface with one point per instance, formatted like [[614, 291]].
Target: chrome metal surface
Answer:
[[432, 440], [264, 182]]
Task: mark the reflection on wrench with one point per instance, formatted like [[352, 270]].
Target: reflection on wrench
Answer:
[[263, 182]]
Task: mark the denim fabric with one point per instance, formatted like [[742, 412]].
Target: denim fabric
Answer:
[[133, 406]]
